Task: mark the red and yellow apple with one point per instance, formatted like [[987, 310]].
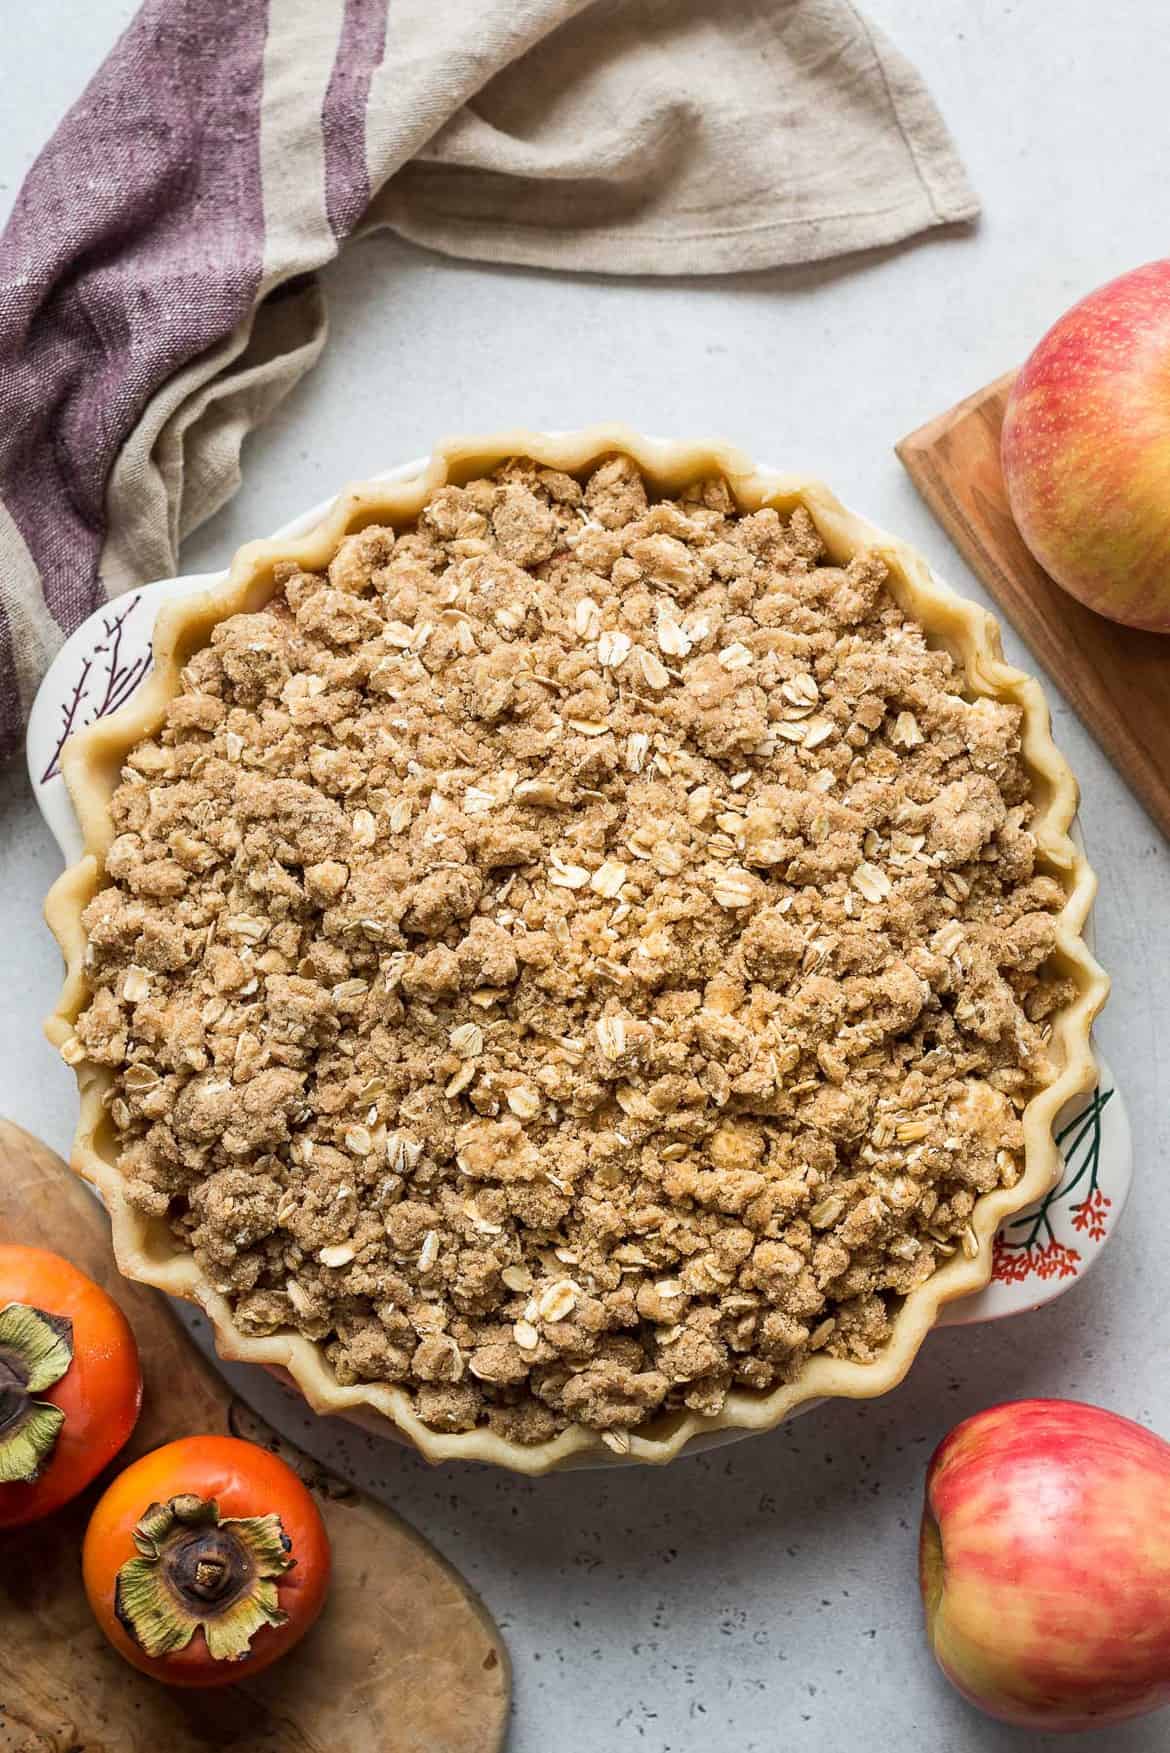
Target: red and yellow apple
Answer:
[[1044, 1562], [1086, 449]]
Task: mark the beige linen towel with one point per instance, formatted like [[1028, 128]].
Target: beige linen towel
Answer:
[[157, 277]]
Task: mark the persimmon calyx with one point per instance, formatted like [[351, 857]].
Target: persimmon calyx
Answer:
[[36, 1349], [197, 1572]]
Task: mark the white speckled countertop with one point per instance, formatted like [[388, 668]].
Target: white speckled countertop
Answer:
[[762, 1597]]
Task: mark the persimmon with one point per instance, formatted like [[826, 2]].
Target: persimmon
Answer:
[[70, 1384], [205, 1561]]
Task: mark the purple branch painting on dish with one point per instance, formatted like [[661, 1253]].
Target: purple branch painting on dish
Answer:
[[105, 681]]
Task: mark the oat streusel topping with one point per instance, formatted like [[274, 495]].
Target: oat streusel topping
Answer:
[[582, 953]]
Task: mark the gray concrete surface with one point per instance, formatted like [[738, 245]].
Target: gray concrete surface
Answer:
[[762, 1597]]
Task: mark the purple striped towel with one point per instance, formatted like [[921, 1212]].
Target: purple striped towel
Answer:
[[157, 291]]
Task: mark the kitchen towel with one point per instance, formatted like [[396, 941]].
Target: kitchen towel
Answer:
[[158, 291]]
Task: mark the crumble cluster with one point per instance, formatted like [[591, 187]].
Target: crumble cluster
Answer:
[[579, 954]]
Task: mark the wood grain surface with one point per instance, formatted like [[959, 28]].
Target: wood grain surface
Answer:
[[1116, 678], [404, 1658]]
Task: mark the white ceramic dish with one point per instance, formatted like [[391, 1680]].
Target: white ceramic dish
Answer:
[[1039, 1254]]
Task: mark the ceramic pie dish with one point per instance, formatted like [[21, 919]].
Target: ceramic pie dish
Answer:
[[147, 1246]]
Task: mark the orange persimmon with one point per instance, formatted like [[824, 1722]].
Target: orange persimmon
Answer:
[[70, 1385], [205, 1561]]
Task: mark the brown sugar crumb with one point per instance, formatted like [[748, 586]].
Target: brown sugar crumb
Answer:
[[579, 954]]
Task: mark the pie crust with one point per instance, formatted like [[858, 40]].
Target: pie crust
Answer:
[[145, 1247]]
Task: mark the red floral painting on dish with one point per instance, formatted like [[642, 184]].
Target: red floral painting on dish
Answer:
[[1028, 1246]]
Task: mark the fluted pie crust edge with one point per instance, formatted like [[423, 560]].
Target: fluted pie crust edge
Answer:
[[146, 1249]]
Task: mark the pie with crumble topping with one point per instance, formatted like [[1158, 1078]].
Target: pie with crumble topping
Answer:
[[586, 956]]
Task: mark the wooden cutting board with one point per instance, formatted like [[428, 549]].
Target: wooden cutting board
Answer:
[[1116, 678], [404, 1658]]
